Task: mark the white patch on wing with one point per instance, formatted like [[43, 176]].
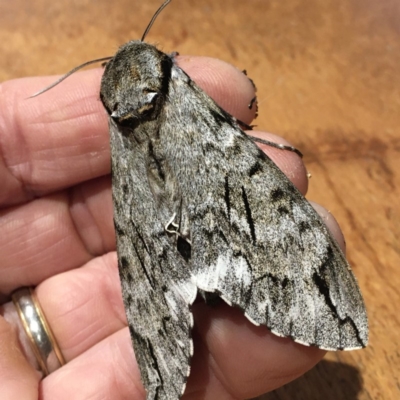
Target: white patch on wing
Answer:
[[226, 300], [251, 319], [184, 385], [187, 291], [207, 279], [242, 271], [277, 333], [173, 306], [161, 360], [221, 269], [191, 350], [181, 292], [223, 278], [301, 342], [345, 349]]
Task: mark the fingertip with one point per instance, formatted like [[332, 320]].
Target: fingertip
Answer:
[[261, 361], [333, 226], [293, 167], [288, 161], [107, 370], [229, 87]]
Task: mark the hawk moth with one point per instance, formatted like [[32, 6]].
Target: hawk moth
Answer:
[[199, 208]]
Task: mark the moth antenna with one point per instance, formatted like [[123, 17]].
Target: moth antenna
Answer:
[[154, 18], [69, 74]]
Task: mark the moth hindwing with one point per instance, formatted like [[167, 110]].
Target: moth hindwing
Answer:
[[199, 207]]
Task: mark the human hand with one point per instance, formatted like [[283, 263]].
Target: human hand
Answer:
[[57, 234]]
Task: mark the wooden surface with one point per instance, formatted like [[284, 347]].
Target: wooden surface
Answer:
[[328, 77]]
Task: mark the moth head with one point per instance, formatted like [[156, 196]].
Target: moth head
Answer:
[[131, 67], [135, 83]]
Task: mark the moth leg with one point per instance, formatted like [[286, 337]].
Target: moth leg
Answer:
[[174, 54], [210, 298], [175, 230], [251, 80], [276, 145], [252, 101], [183, 243], [279, 146], [244, 126], [173, 224]]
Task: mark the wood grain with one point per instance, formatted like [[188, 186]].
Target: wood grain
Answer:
[[328, 80]]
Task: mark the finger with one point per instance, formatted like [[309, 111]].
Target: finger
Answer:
[[55, 233], [260, 362], [64, 231], [229, 87], [61, 138], [288, 161], [333, 226], [106, 371], [52, 141], [84, 306], [18, 379]]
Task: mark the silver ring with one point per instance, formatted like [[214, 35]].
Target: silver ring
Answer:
[[41, 338]]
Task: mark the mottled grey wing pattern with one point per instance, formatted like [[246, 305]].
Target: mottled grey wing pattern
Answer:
[[255, 240], [156, 288]]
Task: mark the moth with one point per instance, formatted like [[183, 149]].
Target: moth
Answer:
[[200, 209]]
